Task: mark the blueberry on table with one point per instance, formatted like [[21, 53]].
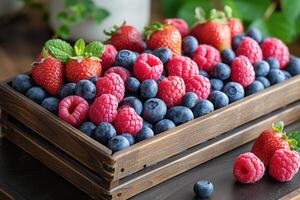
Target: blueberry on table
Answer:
[[51, 104], [276, 76], [273, 62], [133, 102], [255, 34], [37, 94], [144, 133], [148, 89], [164, 54], [88, 128], [67, 90], [227, 56], [154, 110], [129, 137], [132, 85], [219, 99], [180, 115], [287, 74], [266, 83], [204, 73], [104, 132], [222, 71], [22, 83], [255, 86], [147, 124], [203, 107], [261, 68], [216, 84], [203, 188], [126, 59], [293, 67], [118, 143], [163, 125], [234, 91], [189, 45], [189, 99], [86, 89]]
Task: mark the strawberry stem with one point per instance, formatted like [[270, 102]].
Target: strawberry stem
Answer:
[[114, 30], [156, 26]]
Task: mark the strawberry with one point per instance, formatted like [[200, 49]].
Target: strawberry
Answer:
[[167, 35], [126, 37], [214, 31], [235, 24], [180, 24]]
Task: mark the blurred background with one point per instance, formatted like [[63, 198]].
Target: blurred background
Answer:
[[26, 24]]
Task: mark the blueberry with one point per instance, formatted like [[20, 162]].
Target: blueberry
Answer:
[[22, 83], [164, 54], [189, 99], [287, 74], [143, 134], [51, 104], [237, 40], [261, 68], [189, 45], [274, 63], [162, 77], [293, 66], [67, 90], [154, 110], [126, 58], [88, 128], [266, 83], [118, 143], [148, 89], [104, 132], [147, 124], [234, 91], [222, 71], [228, 56], [86, 89], [203, 107], [203, 189], [94, 79], [163, 125], [132, 85], [204, 73], [133, 102], [255, 34], [255, 86], [219, 99], [216, 84], [180, 115], [276, 76], [129, 137], [37, 94]]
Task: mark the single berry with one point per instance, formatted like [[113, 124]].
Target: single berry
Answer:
[[287, 74], [108, 57], [85, 89], [266, 83], [203, 107], [67, 90], [118, 143], [242, 71], [180, 115], [236, 41], [94, 79], [126, 59], [276, 76], [132, 85], [250, 49], [222, 71], [143, 134], [154, 110], [234, 91], [51, 104], [273, 62], [148, 89], [248, 168], [261, 68], [255, 87], [121, 71], [255, 34], [164, 54], [219, 99], [203, 189], [189, 99], [133, 102], [179, 23], [216, 84], [227, 56], [104, 132], [163, 125], [36, 94], [129, 137], [162, 77], [204, 73], [199, 85], [147, 124], [207, 57], [293, 67], [22, 83], [189, 45], [88, 128]]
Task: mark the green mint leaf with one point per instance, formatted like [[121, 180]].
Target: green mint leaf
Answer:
[[278, 127], [294, 140], [291, 8], [99, 14], [59, 49], [79, 47], [63, 32], [94, 49]]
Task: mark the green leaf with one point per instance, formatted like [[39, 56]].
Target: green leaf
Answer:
[[278, 127], [170, 7], [294, 140], [291, 8], [261, 25], [297, 24], [59, 49], [100, 14], [79, 47], [94, 49]]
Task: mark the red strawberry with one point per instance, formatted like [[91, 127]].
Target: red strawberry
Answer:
[[159, 35], [180, 24], [126, 37], [235, 24]]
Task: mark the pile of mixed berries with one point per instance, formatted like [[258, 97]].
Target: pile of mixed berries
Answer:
[[136, 86]]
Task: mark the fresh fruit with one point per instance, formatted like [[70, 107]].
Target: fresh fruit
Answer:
[[206, 57], [287, 74], [293, 67], [148, 89], [154, 110], [147, 66], [261, 68], [36, 94], [85, 89], [73, 110], [203, 189], [255, 34], [180, 24], [248, 168], [227, 56], [118, 143], [199, 85], [147, 124], [171, 90], [143, 134], [88, 128], [275, 48], [255, 87], [22, 83], [276, 76], [94, 79], [218, 99], [133, 102], [67, 90], [108, 57], [127, 121], [235, 24], [250, 49], [204, 73], [51, 104], [121, 71], [126, 59], [180, 115], [132, 85], [189, 45], [104, 132], [203, 107], [273, 62], [163, 125], [284, 165], [111, 84], [216, 84], [104, 109], [163, 35], [126, 37], [189, 99], [164, 54], [129, 137], [234, 91], [266, 83], [242, 71], [222, 71], [236, 41]]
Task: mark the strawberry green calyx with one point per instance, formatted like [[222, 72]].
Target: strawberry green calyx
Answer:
[[93, 50], [114, 30], [156, 26], [59, 49], [200, 15], [79, 47], [278, 127], [228, 11], [218, 16]]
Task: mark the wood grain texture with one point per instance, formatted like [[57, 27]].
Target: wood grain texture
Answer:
[[176, 140], [295, 195]]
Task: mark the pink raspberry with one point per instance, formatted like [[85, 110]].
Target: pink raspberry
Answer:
[[127, 121], [199, 85], [108, 57], [249, 48], [273, 47], [180, 24], [73, 110], [284, 165], [242, 71], [104, 109], [207, 57], [147, 66], [171, 90], [248, 168], [183, 67], [124, 73], [111, 84]]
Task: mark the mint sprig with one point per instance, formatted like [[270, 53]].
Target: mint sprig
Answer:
[[94, 49], [294, 140], [79, 47], [59, 49]]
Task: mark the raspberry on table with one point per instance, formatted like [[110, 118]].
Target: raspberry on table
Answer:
[[104, 109], [121, 71], [73, 110], [199, 85], [207, 57], [242, 71], [248, 168], [108, 57], [250, 48]]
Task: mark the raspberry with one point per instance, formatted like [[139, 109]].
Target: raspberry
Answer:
[[111, 84], [183, 67], [199, 85], [206, 57], [275, 48], [242, 71], [73, 110], [171, 90], [248, 168], [121, 71], [249, 48], [108, 57], [104, 109], [180, 24], [284, 165], [147, 66], [127, 121]]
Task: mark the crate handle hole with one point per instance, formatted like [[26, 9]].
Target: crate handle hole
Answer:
[[119, 194], [145, 166], [122, 170]]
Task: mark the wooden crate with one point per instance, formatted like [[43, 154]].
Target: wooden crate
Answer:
[[94, 169]]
